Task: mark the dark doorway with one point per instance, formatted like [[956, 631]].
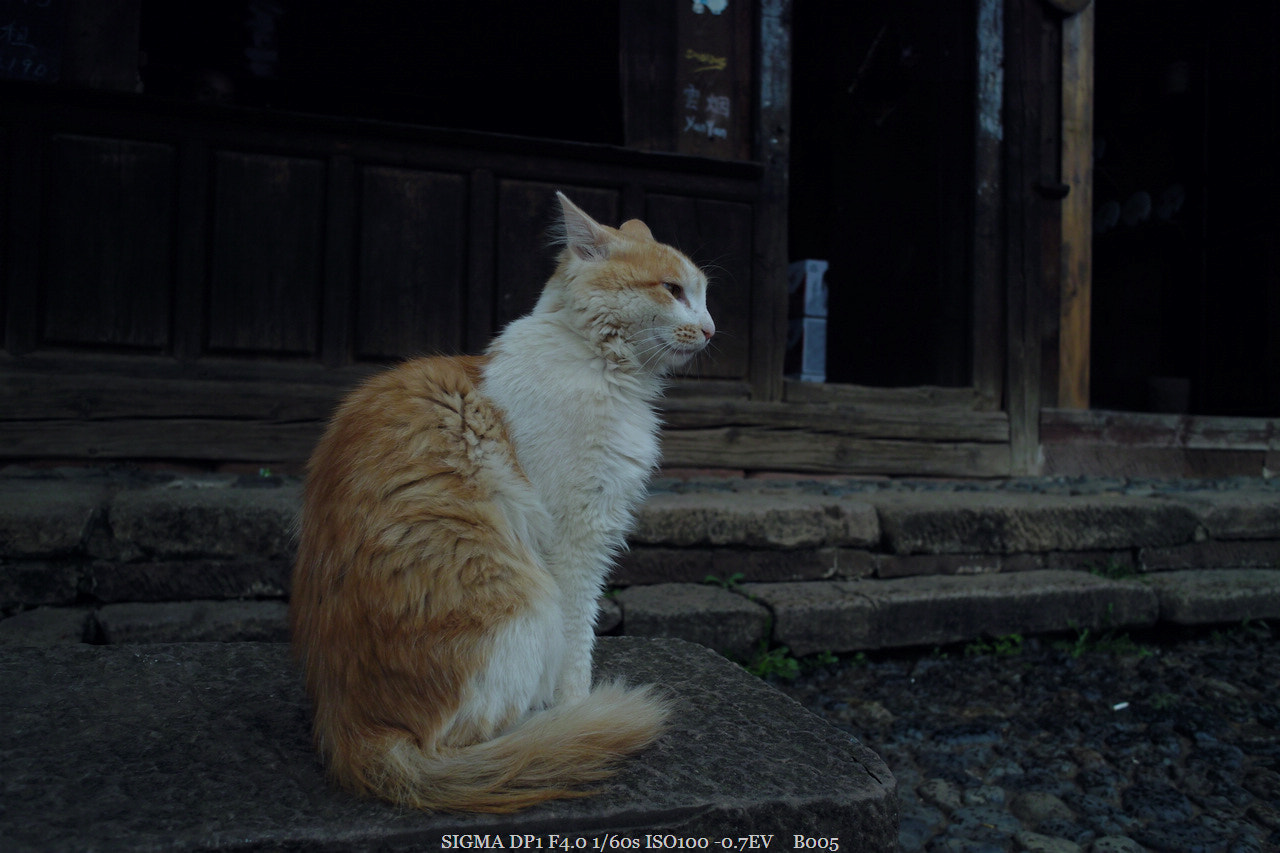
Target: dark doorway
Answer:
[[881, 183], [1186, 283]]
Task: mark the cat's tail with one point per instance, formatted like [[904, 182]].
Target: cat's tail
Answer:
[[546, 756]]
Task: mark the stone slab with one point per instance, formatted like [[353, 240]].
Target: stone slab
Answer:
[[709, 615], [206, 518], [29, 583], [196, 578], [755, 520], [1208, 596], [194, 622], [818, 616], [1237, 554], [46, 626], [845, 616], [205, 747], [646, 564], [1010, 523], [47, 518], [1236, 514]]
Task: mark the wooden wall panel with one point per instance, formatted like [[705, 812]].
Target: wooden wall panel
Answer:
[[6, 167], [411, 286], [110, 249], [267, 249], [526, 210], [717, 236], [275, 257]]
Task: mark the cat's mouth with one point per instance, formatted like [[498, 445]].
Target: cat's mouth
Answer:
[[684, 352]]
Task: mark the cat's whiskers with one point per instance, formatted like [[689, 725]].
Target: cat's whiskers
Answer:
[[658, 350]]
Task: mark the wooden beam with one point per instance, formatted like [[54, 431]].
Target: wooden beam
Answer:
[[769, 249], [1077, 210], [765, 449], [1022, 233], [1133, 429], [989, 349], [923, 423]]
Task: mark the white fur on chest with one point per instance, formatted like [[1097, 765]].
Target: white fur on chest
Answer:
[[585, 433]]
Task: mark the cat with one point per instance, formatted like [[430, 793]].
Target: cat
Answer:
[[460, 515]]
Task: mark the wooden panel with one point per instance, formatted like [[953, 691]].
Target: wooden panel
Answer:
[[764, 449], [687, 76], [268, 229], [22, 241], [38, 396], [526, 210], [5, 238], [339, 275], [712, 97], [184, 439], [717, 236], [266, 261], [917, 396], [411, 295], [1128, 429], [110, 244], [1124, 444], [481, 263], [917, 423], [647, 50]]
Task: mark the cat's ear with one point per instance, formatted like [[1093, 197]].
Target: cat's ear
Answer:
[[636, 228], [585, 237]]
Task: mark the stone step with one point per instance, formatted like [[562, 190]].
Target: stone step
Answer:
[[807, 617], [228, 518], [206, 747], [851, 616], [167, 558], [837, 616], [1221, 596]]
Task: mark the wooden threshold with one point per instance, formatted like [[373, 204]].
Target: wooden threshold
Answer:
[[1131, 444], [273, 414]]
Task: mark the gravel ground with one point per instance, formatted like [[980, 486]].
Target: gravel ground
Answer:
[[1086, 743]]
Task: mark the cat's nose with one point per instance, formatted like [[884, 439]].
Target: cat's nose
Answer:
[[708, 331]]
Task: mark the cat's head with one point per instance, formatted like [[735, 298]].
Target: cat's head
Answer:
[[640, 301]]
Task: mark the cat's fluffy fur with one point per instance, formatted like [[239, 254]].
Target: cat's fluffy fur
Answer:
[[460, 515]]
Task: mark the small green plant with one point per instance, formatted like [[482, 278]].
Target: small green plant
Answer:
[[1113, 568], [1078, 647], [1105, 642], [1163, 701], [776, 662], [820, 659], [730, 583], [1007, 646]]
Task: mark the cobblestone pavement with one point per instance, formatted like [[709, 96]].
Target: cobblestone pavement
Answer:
[[1089, 743]]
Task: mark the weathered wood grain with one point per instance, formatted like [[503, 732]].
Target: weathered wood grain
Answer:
[[1077, 211], [758, 448]]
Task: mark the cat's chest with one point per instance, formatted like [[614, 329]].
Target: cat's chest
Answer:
[[581, 445], [607, 447]]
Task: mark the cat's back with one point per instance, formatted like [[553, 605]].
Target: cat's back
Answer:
[[418, 432]]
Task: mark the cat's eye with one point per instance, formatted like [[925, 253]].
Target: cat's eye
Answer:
[[674, 289]]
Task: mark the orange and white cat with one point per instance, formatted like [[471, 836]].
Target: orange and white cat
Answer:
[[459, 519]]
